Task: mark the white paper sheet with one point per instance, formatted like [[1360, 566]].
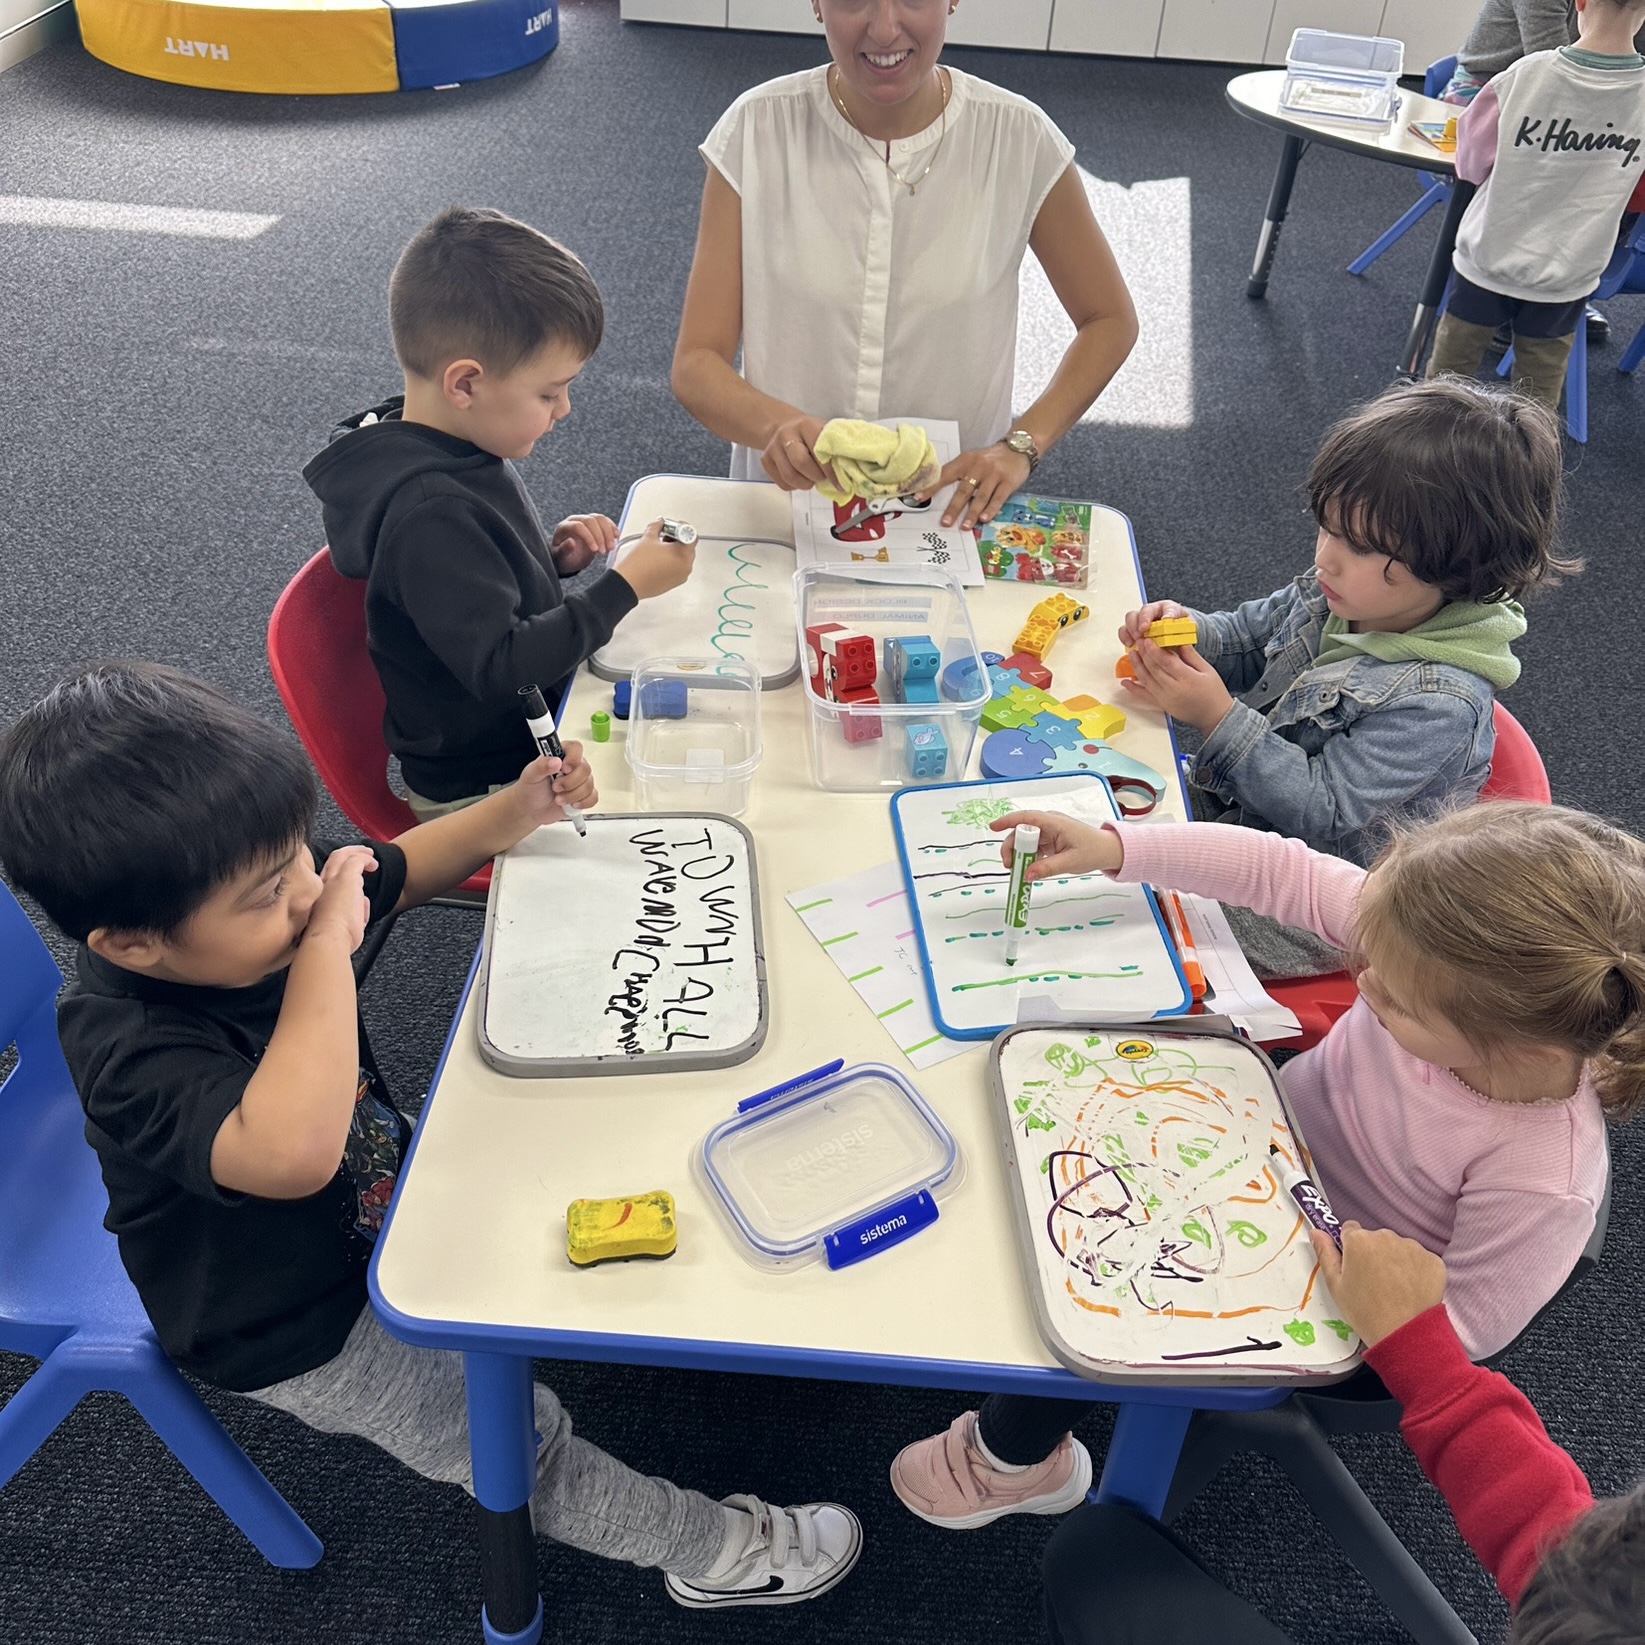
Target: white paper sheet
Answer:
[[916, 538], [1234, 990], [865, 924]]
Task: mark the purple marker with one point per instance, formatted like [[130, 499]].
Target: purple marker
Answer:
[[1310, 1201]]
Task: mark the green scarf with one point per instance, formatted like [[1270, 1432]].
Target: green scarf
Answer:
[[1465, 634]]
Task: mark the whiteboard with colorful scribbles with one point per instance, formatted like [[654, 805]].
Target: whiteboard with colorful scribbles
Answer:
[[738, 602], [1092, 948], [1157, 1240]]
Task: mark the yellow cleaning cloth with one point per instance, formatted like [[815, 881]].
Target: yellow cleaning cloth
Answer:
[[875, 462]]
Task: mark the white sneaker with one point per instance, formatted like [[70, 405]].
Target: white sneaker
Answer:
[[796, 1554]]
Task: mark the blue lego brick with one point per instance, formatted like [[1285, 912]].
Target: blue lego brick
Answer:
[[926, 750], [920, 691]]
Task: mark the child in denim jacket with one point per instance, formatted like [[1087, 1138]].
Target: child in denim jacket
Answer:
[[1361, 694]]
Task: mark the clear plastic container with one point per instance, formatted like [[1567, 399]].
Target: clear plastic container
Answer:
[[835, 1167], [862, 746], [1351, 79], [694, 734]]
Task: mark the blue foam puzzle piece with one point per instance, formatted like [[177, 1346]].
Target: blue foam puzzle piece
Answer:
[[1010, 754], [1144, 782], [1052, 731]]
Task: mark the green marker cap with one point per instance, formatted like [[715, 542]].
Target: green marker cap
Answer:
[[600, 722]]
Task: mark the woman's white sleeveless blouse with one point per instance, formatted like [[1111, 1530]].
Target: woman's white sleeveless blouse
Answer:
[[861, 299]]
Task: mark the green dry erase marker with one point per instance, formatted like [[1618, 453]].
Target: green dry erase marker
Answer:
[[1025, 846]]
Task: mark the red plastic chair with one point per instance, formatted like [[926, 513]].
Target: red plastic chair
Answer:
[[325, 676], [1517, 773]]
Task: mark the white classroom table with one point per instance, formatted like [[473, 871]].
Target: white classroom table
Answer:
[[1256, 97], [473, 1254]]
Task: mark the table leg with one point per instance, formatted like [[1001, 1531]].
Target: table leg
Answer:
[[1433, 287], [1279, 197], [1142, 1456], [502, 1444]]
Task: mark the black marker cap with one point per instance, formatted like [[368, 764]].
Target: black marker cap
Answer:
[[532, 697]]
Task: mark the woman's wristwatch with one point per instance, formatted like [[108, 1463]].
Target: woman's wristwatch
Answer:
[[1024, 444]]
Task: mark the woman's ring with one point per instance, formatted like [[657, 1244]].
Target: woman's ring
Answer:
[[970, 482]]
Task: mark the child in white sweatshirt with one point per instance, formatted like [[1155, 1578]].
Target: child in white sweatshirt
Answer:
[[1555, 144]]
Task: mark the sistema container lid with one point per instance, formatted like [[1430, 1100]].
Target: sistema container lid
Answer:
[[839, 1164]]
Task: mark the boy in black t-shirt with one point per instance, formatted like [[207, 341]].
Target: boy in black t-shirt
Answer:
[[492, 323], [247, 1139]]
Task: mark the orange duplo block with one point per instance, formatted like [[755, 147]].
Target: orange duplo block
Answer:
[[1125, 669]]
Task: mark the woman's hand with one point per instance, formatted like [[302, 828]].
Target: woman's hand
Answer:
[[1066, 846], [1179, 682], [579, 540], [1134, 630], [983, 482], [789, 458]]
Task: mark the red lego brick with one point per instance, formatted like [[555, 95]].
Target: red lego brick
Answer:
[[814, 654]]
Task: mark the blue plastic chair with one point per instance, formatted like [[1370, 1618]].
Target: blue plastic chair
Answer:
[[1624, 274], [64, 1295], [1436, 190]]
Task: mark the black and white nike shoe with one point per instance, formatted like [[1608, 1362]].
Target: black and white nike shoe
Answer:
[[793, 1554]]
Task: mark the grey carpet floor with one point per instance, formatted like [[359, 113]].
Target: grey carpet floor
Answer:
[[160, 397]]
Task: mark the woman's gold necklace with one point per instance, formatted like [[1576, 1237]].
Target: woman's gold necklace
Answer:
[[839, 103]]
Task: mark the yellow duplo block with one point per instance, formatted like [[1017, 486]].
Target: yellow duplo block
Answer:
[[286, 46], [1174, 631], [609, 1230]]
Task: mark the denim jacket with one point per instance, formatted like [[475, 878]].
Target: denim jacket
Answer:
[[1331, 755]]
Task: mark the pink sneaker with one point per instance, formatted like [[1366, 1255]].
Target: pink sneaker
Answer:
[[948, 1481]]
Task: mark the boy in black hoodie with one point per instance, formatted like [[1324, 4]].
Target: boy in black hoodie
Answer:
[[492, 323]]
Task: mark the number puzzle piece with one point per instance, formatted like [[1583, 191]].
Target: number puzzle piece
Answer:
[[1011, 754], [1099, 721], [1051, 731], [1144, 786], [959, 679], [926, 750], [1033, 671], [1015, 709]]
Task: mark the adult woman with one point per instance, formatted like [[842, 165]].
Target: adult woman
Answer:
[[863, 224]]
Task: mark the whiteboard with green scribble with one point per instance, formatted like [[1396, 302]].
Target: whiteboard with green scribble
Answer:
[[1092, 947], [738, 602], [1158, 1243]]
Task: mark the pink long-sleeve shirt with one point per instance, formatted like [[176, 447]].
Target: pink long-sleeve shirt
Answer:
[[1507, 1193]]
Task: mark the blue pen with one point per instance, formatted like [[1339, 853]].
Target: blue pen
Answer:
[[761, 1097]]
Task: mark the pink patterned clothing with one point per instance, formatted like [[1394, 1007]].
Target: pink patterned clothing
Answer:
[[1506, 1193]]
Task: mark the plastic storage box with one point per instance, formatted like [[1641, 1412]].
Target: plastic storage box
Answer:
[[1351, 79], [865, 746], [694, 734], [837, 1166]]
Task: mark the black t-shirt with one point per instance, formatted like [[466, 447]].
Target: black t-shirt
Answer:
[[242, 1291]]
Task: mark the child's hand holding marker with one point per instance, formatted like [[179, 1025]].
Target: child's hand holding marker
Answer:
[[1065, 846], [552, 788], [1380, 1280]]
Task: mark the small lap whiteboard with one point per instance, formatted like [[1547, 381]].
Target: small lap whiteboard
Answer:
[[1157, 1242], [737, 603], [1092, 948], [633, 951]]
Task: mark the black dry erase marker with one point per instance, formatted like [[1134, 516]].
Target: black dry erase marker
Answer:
[[541, 725], [1310, 1201]]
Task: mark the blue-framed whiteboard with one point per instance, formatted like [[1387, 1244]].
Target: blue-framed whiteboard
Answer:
[[1093, 949]]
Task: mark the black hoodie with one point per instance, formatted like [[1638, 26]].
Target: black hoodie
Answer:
[[463, 604]]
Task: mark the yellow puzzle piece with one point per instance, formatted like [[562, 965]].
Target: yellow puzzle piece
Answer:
[[608, 1230]]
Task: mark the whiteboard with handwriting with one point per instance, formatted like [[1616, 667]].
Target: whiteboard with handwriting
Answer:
[[633, 951]]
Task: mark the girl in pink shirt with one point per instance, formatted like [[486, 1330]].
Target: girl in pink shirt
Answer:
[[1500, 953]]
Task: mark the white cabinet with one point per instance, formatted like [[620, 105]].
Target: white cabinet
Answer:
[[1431, 29], [778, 16], [1115, 28], [1339, 16], [1021, 25], [28, 26], [1219, 31]]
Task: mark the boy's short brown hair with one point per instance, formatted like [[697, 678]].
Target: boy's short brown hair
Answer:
[[1457, 481], [475, 284]]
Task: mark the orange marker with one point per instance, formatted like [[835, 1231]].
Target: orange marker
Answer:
[[1191, 968]]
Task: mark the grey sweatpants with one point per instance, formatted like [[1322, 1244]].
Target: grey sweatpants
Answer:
[[410, 1402]]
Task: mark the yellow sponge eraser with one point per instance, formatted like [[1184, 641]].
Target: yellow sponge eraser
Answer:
[[1174, 631], [607, 1230]]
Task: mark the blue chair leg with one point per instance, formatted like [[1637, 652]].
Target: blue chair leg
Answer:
[[1142, 1456], [30, 1415], [1576, 386], [1434, 194], [226, 1474], [1635, 355]]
